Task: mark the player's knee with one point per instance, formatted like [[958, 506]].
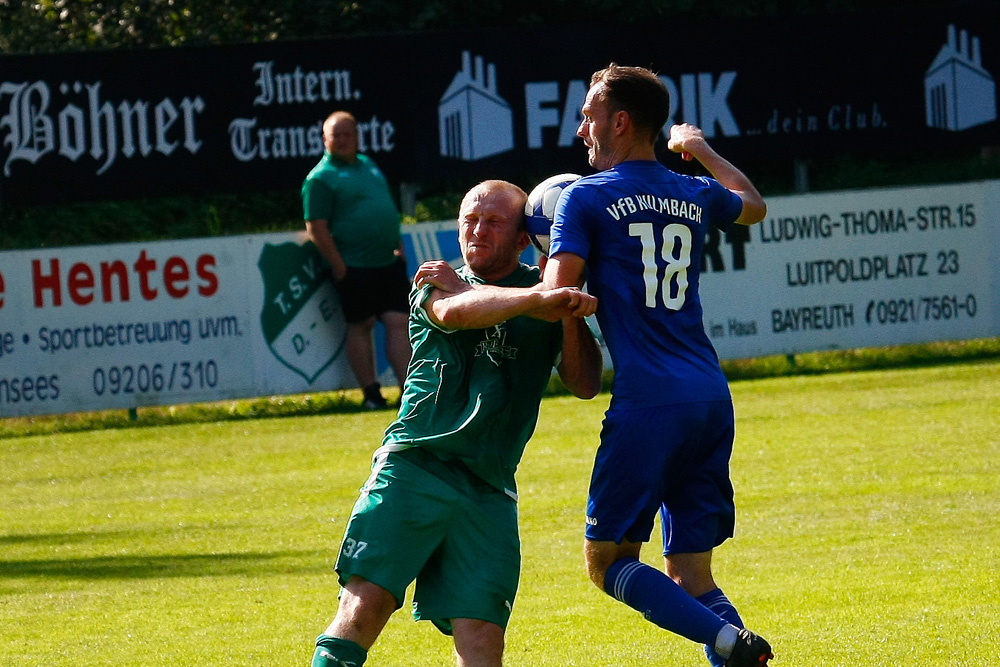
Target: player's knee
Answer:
[[364, 607], [596, 572], [478, 642], [599, 556]]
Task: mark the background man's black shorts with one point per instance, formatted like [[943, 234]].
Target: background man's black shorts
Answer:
[[366, 292]]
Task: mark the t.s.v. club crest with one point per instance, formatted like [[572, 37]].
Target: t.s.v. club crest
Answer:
[[300, 317]]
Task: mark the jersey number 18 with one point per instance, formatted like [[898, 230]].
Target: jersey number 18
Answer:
[[674, 236]]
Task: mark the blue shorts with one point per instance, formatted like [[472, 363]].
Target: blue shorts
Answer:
[[674, 459]]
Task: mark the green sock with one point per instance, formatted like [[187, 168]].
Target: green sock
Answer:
[[337, 652]]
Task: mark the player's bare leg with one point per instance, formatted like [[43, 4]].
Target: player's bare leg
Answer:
[[600, 555], [364, 610], [692, 572], [478, 643], [361, 350]]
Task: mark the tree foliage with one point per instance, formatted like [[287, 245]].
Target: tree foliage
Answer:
[[44, 26]]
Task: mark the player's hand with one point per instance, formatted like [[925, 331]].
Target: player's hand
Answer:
[[564, 302], [683, 138], [439, 274], [581, 303]]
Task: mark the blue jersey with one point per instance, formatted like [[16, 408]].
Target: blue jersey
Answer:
[[641, 229]]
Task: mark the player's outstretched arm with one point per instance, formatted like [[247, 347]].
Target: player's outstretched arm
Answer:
[[689, 140], [482, 306], [455, 304]]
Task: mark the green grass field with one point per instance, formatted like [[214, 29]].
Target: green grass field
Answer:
[[867, 535]]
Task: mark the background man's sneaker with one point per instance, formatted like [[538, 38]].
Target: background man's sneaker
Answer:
[[375, 404], [374, 400], [750, 651]]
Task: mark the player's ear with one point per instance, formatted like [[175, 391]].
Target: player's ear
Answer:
[[522, 241], [621, 121]]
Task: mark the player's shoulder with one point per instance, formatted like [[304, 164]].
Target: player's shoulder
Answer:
[[619, 179], [690, 186], [693, 182], [590, 185], [595, 180], [367, 164]]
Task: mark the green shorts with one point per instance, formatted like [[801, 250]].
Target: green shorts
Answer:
[[424, 519]]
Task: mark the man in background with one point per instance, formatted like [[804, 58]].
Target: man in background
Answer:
[[354, 223]]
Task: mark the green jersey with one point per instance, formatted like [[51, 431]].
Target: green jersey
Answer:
[[472, 395], [355, 201]]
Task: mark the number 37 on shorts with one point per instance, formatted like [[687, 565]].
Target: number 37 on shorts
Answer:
[[352, 548]]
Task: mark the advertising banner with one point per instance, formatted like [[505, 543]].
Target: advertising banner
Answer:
[[444, 108], [857, 269], [129, 325]]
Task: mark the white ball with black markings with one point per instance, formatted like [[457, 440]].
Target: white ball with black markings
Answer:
[[541, 207]]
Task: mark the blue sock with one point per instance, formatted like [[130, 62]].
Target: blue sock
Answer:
[[337, 652], [657, 597], [717, 602]]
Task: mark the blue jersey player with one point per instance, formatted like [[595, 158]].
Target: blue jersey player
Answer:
[[638, 229]]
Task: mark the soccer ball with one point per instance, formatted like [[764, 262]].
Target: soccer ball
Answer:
[[541, 206]]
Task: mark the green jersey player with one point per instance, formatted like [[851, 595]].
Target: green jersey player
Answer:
[[440, 504]]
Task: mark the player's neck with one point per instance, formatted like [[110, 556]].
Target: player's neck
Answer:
[[635, 151]]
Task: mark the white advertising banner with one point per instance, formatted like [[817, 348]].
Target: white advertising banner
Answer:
[[129, 325], [857, 269]]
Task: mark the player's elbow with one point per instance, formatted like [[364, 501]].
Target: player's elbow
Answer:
[[585, 384], [754, 210], [450, 317]]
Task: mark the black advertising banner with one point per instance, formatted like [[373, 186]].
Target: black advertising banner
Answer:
[[463, 106]]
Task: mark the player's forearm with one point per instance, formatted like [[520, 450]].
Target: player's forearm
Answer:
[[482, 306], [582, 364]]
